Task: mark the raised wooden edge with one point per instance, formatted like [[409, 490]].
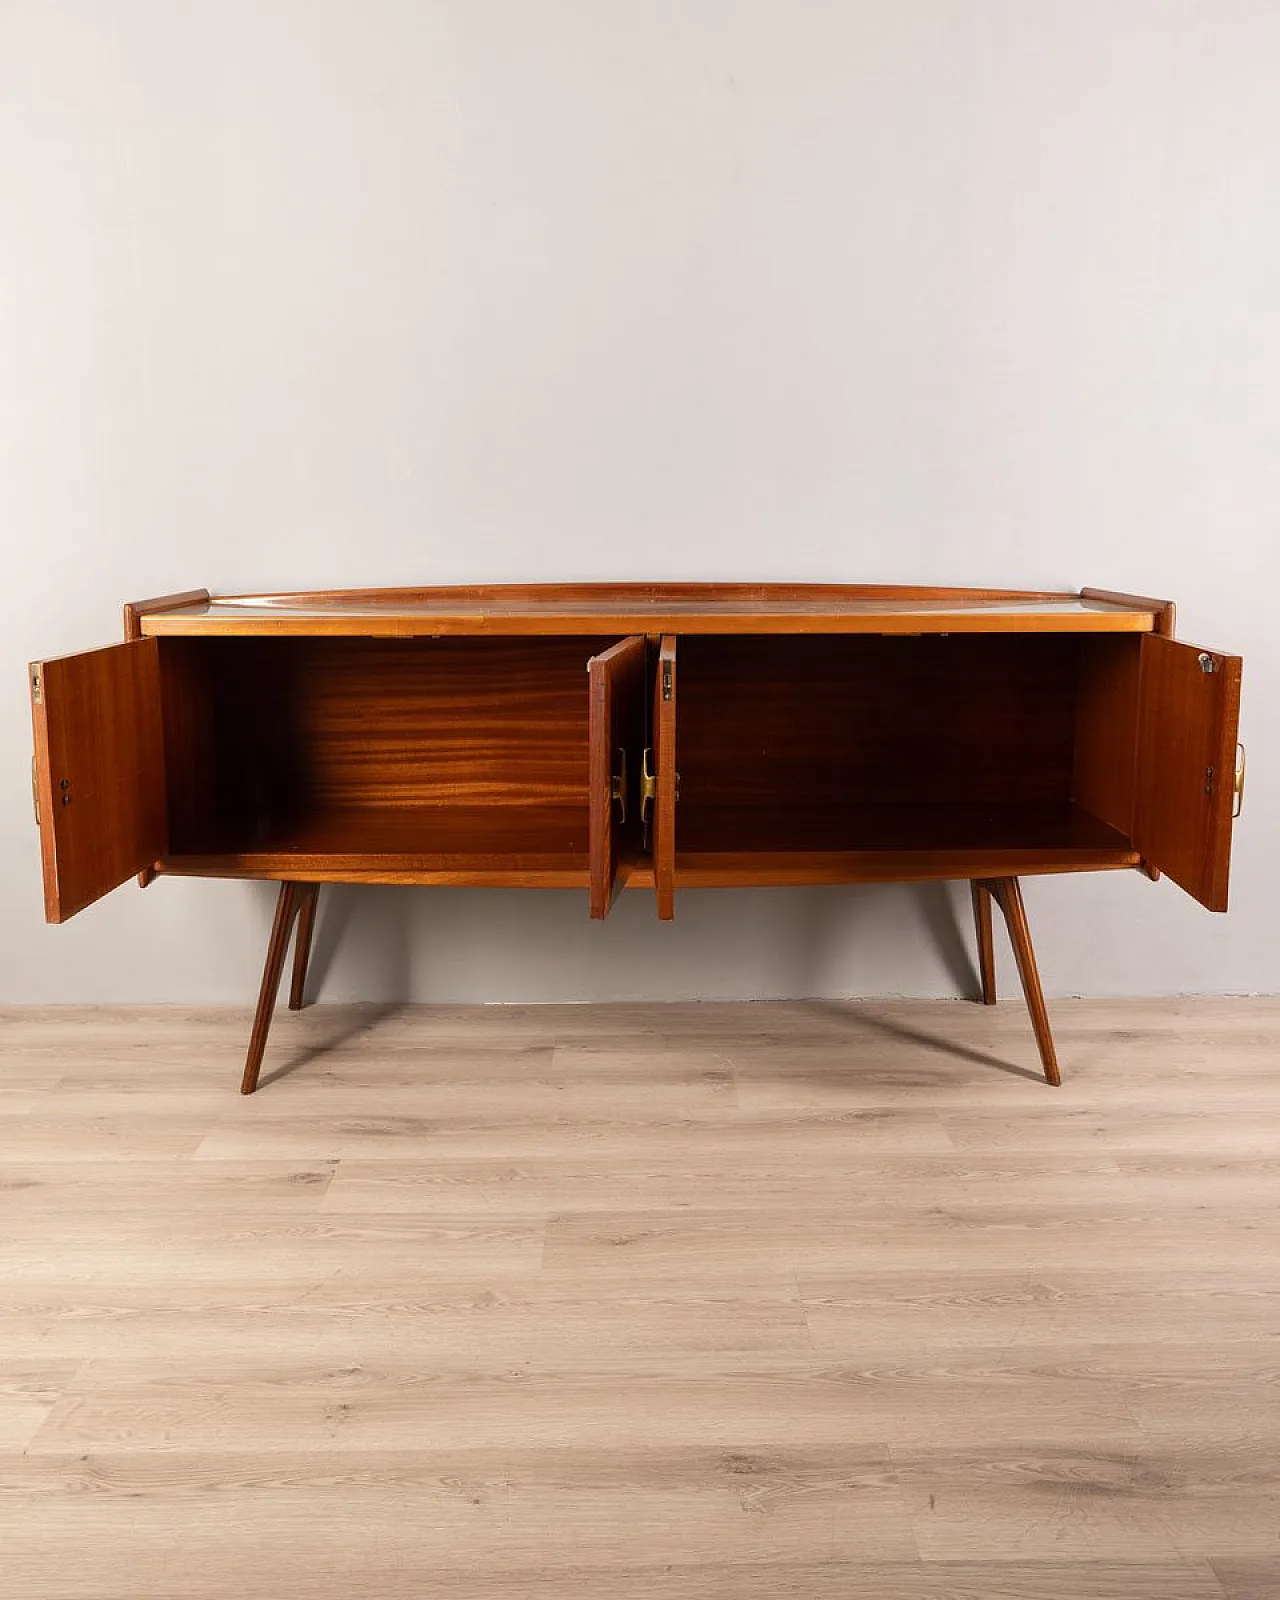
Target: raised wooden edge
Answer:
[[1164, 612], [609, 592], [134, 611]]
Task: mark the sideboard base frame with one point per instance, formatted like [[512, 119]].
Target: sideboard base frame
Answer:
[[297, 902]]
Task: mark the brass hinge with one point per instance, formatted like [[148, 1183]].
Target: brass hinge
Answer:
[[1207, 663], [1239, 781], [35, 792], [618, 789], [37, 686], [666, 680], [648, 784]]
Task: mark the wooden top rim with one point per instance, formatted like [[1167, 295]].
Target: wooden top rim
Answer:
[[603, 608]]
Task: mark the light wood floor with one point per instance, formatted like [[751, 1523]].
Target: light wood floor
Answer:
[[740, 1301]]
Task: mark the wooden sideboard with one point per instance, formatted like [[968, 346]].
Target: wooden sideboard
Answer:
[[651, 737]]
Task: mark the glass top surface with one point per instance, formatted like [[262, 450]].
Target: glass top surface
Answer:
[[600, 608]]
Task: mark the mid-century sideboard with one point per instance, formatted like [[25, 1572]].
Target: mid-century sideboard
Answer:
[[641, 736]]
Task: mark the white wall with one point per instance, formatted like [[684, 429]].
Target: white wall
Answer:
[[321, 292]]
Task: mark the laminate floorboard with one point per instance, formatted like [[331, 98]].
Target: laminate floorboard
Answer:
[[818, 1301]]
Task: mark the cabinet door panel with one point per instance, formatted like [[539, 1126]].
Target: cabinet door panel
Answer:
[[664, 754], [99, 771], [615, 739], [1189, 703]]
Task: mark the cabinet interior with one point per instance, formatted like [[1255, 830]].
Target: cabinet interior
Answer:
[[449, 749], [936, 742], [470, 753]]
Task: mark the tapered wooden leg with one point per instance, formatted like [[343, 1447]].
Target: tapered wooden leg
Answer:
[[1007, 893], [287, 904], [986, 946], [310, 893]]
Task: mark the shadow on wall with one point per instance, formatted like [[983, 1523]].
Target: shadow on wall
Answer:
[[384, 944], [951, 931], [371, 928], [934, 907]]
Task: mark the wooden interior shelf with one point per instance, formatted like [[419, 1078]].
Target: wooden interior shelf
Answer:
[[541, 845], [1067, 830], [546, 846], [648, 736]]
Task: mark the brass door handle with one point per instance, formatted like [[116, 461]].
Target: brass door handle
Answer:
[[648, 784], [1238, 782], [35, 792]]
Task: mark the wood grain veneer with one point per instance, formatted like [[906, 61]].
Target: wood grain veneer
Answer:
[[98, 773], [405, 742], [1189, 711], [799, 726]]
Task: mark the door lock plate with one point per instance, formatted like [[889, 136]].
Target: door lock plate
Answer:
[[618, 786]]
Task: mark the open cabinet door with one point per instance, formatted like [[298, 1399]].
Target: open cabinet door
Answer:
[[664, 769], [615, 745], [1188, 709], [99, 771]]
